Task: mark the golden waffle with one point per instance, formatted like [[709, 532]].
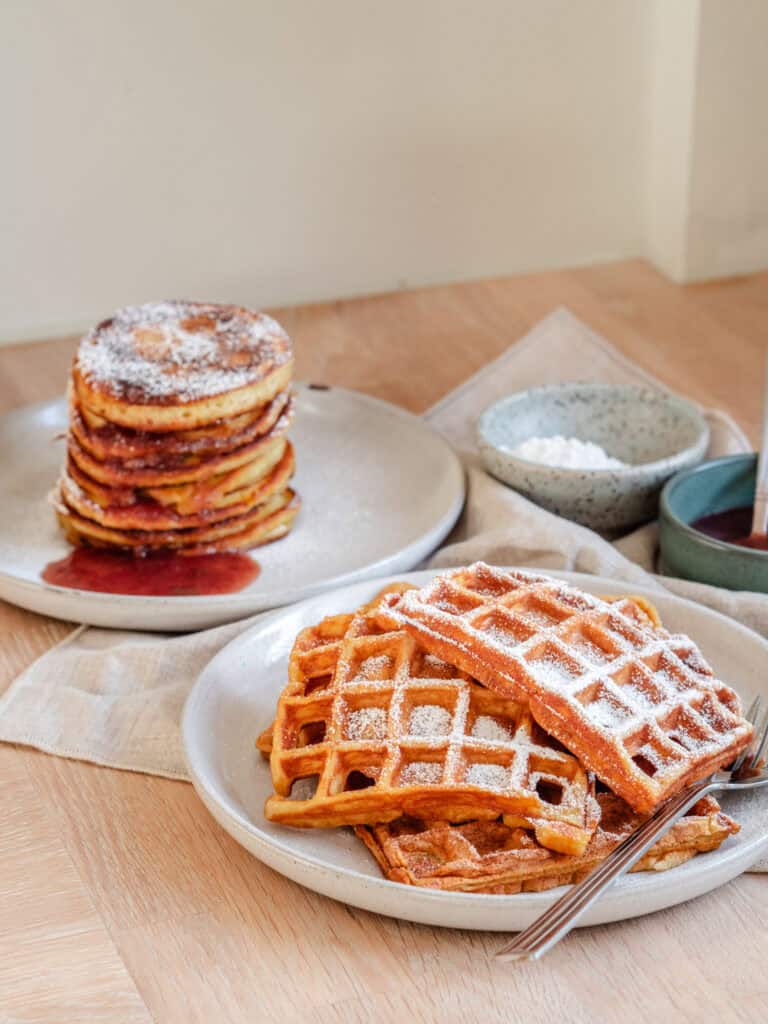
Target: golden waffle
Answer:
[[180, 365], [638, 706], [264, 523], [387, 729], [489, 856]]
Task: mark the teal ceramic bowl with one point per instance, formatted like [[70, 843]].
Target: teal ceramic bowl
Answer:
[[710, 488]]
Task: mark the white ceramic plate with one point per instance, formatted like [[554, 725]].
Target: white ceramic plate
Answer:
[[234, 700], [380, 490]]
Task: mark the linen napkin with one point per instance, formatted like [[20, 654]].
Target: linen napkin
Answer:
[[115, 698]]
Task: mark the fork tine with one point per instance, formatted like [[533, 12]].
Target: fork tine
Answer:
[[751, 716], [761, 740]]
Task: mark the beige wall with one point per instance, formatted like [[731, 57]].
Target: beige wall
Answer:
[[279, 152], [707, 151], [728, 218]]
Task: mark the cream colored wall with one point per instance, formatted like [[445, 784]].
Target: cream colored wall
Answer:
[[728, 216], [279, 152], [273, 153], [707, 148]]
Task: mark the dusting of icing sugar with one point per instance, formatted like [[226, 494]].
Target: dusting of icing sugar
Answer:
[[609, 714], [489, 776], [491, 730], [551, 671], [429, 720], [367, 724], [377, 667], [180, 351], [421, 773]]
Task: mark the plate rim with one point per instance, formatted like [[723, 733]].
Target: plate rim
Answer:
[[277, 850], [243, 603]]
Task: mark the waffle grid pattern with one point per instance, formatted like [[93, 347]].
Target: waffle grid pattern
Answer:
[[638, 706], [369, 708]]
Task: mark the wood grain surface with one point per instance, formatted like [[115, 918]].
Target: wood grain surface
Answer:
[[122, 901]]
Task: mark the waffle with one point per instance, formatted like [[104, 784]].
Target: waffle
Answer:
[[386, 729], [178, 414], [638, 706], [491, 857]]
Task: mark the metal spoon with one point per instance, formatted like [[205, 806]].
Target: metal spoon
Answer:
[[760, 511]]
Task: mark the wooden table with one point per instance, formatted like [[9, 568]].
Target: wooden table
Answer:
[[122, 901]]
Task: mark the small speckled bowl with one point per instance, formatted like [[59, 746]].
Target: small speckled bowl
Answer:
[[656, 433], [710, 488]]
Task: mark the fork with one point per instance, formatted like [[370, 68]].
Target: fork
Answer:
[[558, 920]]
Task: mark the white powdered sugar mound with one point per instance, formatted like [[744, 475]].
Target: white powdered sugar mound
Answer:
[[566, 453]]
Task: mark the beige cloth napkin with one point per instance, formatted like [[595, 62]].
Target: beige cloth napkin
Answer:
[[115, 698]]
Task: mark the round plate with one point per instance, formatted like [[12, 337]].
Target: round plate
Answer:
[[361, 471], [234, 699]]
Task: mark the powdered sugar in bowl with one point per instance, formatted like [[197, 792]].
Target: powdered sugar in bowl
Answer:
[[597, 454]]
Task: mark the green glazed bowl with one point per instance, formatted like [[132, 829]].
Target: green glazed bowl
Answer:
[[712, 487]]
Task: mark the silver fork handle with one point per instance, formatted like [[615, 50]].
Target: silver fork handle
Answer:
[[556, 922]]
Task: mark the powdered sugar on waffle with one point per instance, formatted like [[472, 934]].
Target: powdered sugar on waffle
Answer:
[[489, 776], [421, 773], [624, 703], [429, 720], [375, 668], [158, 352], [421, 730], [367, 724], [490, 730]]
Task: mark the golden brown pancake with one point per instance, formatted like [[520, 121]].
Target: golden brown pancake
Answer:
[[179, 470], [264, 523], [135, 448], [138, 510], [180, 365], [178, 413]]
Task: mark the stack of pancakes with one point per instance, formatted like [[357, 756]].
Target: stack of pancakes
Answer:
[[178, 413]]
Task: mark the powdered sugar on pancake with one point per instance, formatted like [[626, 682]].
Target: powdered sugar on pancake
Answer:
[[180, 351]]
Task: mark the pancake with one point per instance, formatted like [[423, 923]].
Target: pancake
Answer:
[[108, 442], [180, 470], [139, 511], [180, 365], [264, 523], [177, 439]]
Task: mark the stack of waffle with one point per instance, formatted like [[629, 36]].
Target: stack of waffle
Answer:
[[178, 413], [499, 731]]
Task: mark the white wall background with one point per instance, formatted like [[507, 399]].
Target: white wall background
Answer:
[[271, 153]]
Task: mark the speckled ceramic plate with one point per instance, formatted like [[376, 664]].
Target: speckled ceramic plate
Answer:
[[234, 700], [380, 490]]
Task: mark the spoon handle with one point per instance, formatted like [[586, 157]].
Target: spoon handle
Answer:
[[760, 513]]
